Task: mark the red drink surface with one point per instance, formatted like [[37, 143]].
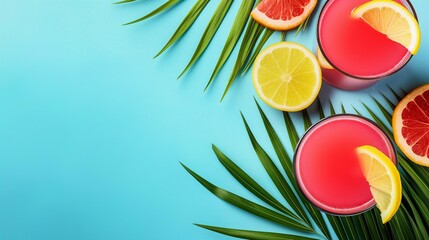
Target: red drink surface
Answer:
[[353, 46], [327, 168]]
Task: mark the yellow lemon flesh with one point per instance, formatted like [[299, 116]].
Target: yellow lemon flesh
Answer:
[[393, 20], [383, 178], [287, 76]]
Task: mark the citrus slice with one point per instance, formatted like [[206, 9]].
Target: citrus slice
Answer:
[[287, 76], [383, 178], [322, 60], [393, 20], [410, 124], [284, 14]]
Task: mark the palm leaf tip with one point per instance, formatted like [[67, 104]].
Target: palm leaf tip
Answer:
[[124, 1], [160, 9], [253, 235], [250, 184], [186, 23], [276, 176], [233, 37], [249, 206], [209, 32], [251, 36]]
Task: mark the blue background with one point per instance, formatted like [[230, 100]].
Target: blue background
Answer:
[[92, 129]]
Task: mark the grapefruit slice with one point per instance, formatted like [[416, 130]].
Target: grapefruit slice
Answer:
[[410, 125], [282, 15]]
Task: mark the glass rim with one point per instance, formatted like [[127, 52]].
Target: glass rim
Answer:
[[389, 140], [410, 8]]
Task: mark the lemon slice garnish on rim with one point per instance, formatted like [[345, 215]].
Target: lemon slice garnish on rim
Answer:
[[322, 60], [393, 20], [383, 178], [287, 76]]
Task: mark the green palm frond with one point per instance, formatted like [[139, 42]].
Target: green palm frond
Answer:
[[254, 235], [185, 24], [250, 206], [265, 36], [160, 9], [233, 37], [251, 184], [124, 1], [210, 31], [253, 36], [410, 222]]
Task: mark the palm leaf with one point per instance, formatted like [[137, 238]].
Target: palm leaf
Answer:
[[302, 26], [160, 9], [251, 36], [306, 119], [267, 34], [391, 104], [360, 222], [186, 23], [418, 225], [397, 96], [343, 109], [379, 122], [337, 226], [370, 226], [233, 37], [320, 109], [291, 130], [253, 235], [420, 204], [124, 1], [383, 110], [331, 108], [417, 179], [251, 184], [287, 166], [283, 157], [250, 206], [283, 36], [349, 228], [275, 175], [210, 31]]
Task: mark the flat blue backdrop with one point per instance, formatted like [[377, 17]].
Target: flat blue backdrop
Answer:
[[92, 129]]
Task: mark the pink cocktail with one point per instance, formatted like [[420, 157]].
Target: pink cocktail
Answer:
[[327, 168], [359, 55]]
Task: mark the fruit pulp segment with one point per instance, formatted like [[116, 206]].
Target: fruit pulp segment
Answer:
[[353, 46], [415, 118], [327, 166], [284, 10]]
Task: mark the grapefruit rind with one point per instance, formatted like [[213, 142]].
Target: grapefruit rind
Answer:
[[282, 25], [406, 32], [397, 125]]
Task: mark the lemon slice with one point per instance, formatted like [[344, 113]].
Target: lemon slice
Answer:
[[287, 76], [322, 60], [393, 20], [383, 178]]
